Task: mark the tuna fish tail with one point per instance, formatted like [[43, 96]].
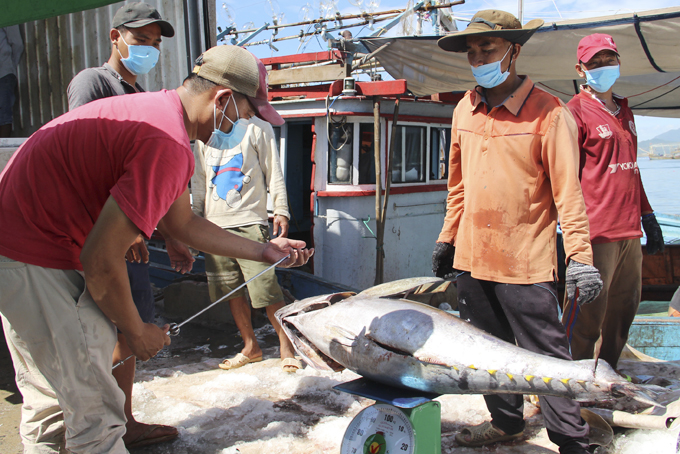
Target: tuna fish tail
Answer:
[[638, 393]]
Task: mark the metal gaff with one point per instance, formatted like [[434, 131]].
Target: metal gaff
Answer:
[[175, 328]]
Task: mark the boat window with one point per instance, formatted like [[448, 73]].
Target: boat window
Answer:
[[366, 154], [340, 144], [408, 163], [440, 144]]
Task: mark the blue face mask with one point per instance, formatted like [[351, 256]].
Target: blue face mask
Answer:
[[602, 79], [490, 75], [141, 59], [223, 140]]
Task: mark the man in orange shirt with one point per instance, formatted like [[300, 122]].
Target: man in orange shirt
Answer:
[[513, 166]]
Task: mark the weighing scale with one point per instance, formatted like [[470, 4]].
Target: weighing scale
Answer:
[[405, 421]]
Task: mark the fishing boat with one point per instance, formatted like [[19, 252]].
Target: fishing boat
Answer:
[[664, 151]]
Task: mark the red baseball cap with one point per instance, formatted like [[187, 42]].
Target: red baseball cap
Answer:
[[592, 44], [261, 103]]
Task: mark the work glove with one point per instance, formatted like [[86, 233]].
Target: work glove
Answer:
[[653, 231], [584, 278], [442, 260]]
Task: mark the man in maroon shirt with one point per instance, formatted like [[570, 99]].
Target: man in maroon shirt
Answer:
[[73, 198], [615, 203]]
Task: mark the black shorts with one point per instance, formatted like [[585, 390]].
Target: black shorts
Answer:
[[142, 293]]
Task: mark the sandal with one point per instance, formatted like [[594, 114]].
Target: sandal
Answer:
[[291, 364], [237, 361], [484, 434]]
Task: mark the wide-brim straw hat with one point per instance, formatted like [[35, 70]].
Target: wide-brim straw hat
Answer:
[[491, 23]]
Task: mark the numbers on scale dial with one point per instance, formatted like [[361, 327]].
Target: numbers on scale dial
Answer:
[[379, 429]]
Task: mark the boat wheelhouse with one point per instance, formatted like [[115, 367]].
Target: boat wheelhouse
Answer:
[[327, 148]]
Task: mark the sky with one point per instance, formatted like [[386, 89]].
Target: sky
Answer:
[[255, 13]]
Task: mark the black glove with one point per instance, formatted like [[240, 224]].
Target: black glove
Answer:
[[654, 236], [442, 260], [584, 277]]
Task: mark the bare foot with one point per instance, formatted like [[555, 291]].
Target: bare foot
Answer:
[[252, 353], [139, 434]]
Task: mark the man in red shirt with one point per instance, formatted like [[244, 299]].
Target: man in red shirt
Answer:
[[615, 203], [136, 32], [73, 198]]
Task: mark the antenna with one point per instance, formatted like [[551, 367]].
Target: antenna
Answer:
[[520, 10]]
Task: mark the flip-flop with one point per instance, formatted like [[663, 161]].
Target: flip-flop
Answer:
[[291, 364], [237, 361], [145, 440], [484, 434]]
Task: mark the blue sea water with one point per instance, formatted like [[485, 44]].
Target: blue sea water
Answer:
[[661, 179]]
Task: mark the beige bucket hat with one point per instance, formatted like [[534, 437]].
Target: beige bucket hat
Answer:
[[491, 22]]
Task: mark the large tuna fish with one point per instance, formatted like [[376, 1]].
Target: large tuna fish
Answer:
[[409, 344]]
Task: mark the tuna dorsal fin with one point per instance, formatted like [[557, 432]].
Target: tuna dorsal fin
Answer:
[[403, 287]]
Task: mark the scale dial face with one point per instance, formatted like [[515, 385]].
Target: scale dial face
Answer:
[[379, 429]]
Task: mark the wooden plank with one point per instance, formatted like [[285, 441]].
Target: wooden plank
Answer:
[[306, 74], [65, 59], [311, 57], [309, 91], [31, 55], [656, 268], [53, 60]]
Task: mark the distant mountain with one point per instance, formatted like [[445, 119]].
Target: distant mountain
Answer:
[[672, 136]]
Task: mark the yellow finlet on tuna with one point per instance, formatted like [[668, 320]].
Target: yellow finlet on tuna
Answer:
[[528, 377], [547, 379]]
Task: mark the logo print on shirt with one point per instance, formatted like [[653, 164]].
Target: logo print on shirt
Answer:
[[228, 180], [623, 166], [604, 131], [631, 126]]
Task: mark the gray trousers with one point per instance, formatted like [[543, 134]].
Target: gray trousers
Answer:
[[61, 345], [525, 315]]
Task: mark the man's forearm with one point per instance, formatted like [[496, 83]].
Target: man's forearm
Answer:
[[108, 283], [184, 225], [201, 234]]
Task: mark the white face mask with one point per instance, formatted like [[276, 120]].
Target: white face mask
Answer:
[[223, 140]]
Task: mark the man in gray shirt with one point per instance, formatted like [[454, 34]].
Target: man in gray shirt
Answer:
[[135, 38]]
